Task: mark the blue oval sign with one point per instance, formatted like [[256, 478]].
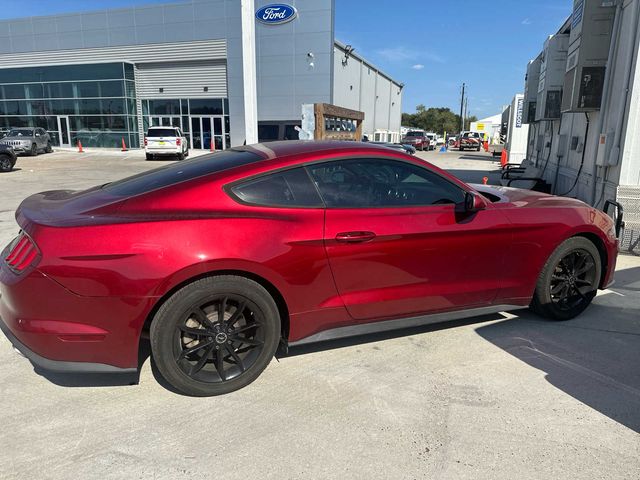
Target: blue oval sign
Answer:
[[276, 13]]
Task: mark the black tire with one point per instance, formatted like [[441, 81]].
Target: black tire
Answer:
[[49, 148], [181, 156], [34, 150], [149, 156], [179, 348], [478, 149], [6, 163], [569, 280], [186, 154]]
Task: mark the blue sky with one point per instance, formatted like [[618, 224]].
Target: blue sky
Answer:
[[431, 46]]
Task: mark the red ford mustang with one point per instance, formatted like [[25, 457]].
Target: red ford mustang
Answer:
[[222, 258]]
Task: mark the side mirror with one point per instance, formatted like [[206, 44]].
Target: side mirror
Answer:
[[474, 202]]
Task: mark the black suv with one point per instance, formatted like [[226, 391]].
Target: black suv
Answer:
[[7, 158]]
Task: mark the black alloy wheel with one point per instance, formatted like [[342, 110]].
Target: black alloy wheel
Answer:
[[573, 281], [5, 163], [219, 339], [569, 280], [34, 150], [215, 335]]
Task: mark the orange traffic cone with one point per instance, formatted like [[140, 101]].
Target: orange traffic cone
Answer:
[[486, 146], [212, 145], [80, 147], [503, 157], [485, 180], [124, 146]]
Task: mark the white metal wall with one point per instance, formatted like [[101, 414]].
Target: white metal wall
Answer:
[[155, 52], [361, 86], [182, 79]]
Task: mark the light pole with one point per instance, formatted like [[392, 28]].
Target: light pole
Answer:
[[249, 71], [462, 109]]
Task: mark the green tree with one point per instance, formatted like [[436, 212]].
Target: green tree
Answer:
[[438, 120]]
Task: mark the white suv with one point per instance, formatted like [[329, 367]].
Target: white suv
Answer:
[[165, 141]]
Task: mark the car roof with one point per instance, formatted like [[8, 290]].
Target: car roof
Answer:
[[286, 148]]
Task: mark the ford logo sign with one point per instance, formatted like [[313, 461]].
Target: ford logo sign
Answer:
[[276, 13]]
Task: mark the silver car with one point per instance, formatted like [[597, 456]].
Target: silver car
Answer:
[[28, 140]]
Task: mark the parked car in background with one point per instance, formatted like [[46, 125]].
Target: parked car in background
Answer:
[[418, 139], [165, 141], [30, 141], [433, 140], [222, 259], [470, 141], [7, 158]]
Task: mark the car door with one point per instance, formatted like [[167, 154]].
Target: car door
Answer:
[[398, 243]]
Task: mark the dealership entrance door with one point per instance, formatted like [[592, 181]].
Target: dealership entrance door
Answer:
[[204, 128], [63, 131]]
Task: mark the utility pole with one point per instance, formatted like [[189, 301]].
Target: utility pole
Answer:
[[462, 109], [466, 112], [249, 71]]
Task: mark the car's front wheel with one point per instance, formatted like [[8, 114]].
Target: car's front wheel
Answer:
[[569, 280], [215, 335], [6, 163], [34, 150]]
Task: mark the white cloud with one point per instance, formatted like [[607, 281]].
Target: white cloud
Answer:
[[526, 21], [418, 66], [404, 54]]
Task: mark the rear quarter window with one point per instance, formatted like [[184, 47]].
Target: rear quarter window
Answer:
[[291, 188]]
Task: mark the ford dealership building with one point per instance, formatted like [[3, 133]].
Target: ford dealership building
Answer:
[[102, 76]]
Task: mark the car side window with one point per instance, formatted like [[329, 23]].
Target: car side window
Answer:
[[290, 188], [362, 183]]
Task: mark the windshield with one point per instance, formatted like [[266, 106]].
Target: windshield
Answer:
[[162, 132], [22, 132], [415, 134]]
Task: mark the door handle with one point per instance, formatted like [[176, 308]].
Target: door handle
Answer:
[[355, 237]]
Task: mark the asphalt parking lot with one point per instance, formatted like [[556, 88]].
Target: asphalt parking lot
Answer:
[[497, 397]]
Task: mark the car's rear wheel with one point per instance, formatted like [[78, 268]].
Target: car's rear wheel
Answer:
[[215, 335], [569, 280], [181, 156], [34, 150], [149, 156], [6, 163]]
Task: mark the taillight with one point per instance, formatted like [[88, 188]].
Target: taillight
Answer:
[[23, 252], [178, 141], [145, 141]]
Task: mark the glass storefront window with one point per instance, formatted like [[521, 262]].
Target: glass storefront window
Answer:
[[164, 107], [205, 106]]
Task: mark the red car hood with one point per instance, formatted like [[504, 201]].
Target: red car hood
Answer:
[[526, 198]]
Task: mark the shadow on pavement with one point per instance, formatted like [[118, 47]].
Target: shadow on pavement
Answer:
[[99, 379], [380, 336], [478, 156], [593, 360]]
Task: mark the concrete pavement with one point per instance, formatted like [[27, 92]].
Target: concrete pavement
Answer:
[[498, 397]]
